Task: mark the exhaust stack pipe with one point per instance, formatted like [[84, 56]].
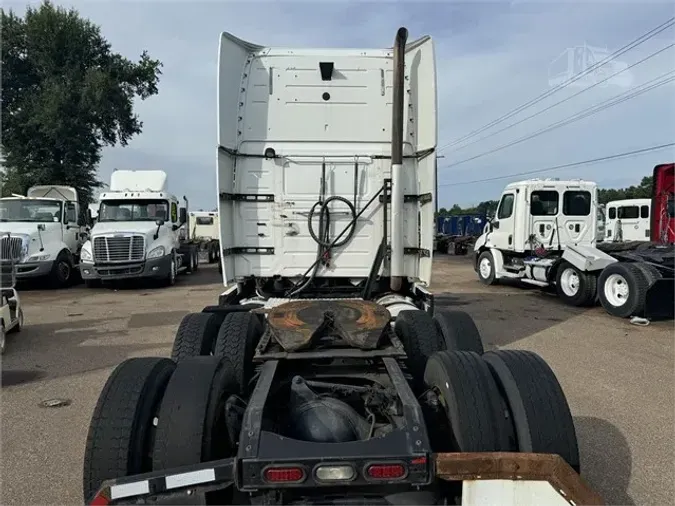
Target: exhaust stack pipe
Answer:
[[396, 267]]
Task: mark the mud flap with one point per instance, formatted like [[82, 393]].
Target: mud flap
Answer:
[[659, 299]]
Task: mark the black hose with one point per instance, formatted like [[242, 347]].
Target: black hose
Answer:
[[323, 239]]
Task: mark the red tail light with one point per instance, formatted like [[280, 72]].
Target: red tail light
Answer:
[[99, 500], [386, 471], [284, 474]]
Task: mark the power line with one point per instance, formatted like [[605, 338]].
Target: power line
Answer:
[[643, 38], [566, 99], [565, 166], [618, 99]]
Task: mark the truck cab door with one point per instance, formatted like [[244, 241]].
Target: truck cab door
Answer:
[[71, 234], [503, 226]]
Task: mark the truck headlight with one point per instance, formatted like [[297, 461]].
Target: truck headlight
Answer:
[[157, 252], [85, 254], [38, 257]]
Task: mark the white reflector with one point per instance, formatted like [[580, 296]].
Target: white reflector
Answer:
[[335, 473]]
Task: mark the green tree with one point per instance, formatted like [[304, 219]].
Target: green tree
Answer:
[[641, 191], [65, 96]]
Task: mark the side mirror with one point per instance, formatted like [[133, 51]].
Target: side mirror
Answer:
[[41, 227], [175, 227], [182, 215], [159, 222], [494, 224], [84, 235]]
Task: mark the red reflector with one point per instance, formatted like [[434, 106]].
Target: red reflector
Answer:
[[418, 461], [284, 474], [385, 471], [99, 500]]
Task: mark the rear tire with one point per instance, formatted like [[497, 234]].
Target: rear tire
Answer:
[[471, 401], [191, 425], [237, 339], [458, 332], [196, 335], [537, 405], [417, 331], [622, 289], [574, 287], [486, 268], [120, 439]]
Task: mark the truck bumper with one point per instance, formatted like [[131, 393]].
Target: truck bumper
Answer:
[[153, 268], [33, 269]]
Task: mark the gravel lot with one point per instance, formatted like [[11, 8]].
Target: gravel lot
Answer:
[[618, 377]]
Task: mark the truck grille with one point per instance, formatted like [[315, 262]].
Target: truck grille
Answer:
[[119, 249], [10, 248]]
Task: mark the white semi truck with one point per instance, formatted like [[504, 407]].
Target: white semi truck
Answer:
[[324, 375], [545, 234], [43, 232], [628, 220], [205, 232], [140, 232]]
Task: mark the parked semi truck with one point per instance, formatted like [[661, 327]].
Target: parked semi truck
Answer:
[[141, 232], [628, 220], [43, 233], [205, 229], [458, 233], [544, 234], [324, 375]]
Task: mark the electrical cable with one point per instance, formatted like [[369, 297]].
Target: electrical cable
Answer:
[[566, 99], [616, 100], [631, 45], [564, 166]]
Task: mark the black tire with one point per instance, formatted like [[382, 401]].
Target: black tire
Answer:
[[613, 280], [471, 400], [211, 256], [19, 324], [650, 272], [541, 416], [119, 441], [170, 279], [191, 424], [417, 331], [62, 271], [486, 276], [458, 332], [237, 339], [195, 260], [575, 287], [196, 335]]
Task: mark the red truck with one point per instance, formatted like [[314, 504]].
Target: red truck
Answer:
[[663, 204]]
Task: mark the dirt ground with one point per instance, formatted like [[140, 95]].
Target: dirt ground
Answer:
[[618, 377]]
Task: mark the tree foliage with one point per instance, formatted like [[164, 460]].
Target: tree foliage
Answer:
[[488, 208], [65, 96]]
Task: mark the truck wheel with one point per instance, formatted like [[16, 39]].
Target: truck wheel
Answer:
[[170, 279], [196, 335], [19, 323], [3, 338], [486, 268], [237, 338], [471, 401], [191, 426], [575, 287], [537, 405], [62, 271], [417, 331], [622, 288], [195, 260], [120, 435], [458, 331]]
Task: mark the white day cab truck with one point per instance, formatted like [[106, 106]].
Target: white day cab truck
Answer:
[[140, 232], [544, 234], [42, 233], [324, 375], [628, 220], [204, 229]]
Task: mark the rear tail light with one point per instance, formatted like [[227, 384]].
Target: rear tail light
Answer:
[[286, 474], [385, 471], [335, 473]]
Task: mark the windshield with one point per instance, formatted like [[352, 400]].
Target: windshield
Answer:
[[133, 210], [30, 210]]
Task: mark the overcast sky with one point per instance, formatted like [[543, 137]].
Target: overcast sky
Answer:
[[491, 58]]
